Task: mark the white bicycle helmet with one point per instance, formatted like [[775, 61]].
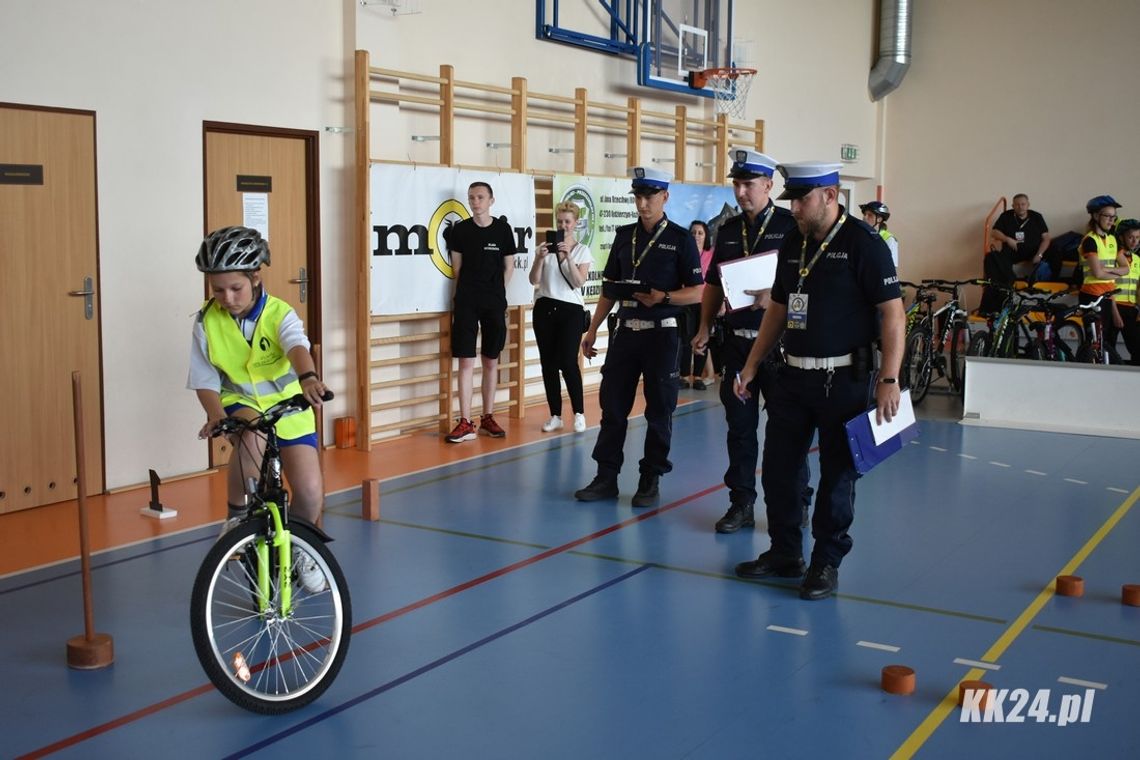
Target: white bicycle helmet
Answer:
[[232, 249]]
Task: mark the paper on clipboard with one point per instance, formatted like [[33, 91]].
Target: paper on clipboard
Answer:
[[902, 420], [756, 272]]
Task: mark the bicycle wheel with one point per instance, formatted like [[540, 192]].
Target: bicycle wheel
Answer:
[[259, 655], [980, 344], [1006, 347], [959, 348], [1068, 339], [916, 363]]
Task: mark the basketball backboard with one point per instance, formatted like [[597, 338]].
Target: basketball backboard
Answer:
[[682, 36]]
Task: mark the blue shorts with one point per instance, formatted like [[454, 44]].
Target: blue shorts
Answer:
[[309, 439]]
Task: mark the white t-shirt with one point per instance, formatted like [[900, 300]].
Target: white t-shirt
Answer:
[[551, 283]]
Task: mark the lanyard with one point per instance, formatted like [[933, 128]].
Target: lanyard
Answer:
[[760, 235], [804, 271], [652, 240]]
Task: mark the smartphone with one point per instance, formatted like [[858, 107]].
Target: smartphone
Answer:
[[553, 238]]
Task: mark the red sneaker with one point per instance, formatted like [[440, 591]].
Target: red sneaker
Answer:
[[463, 431], [488, 425]]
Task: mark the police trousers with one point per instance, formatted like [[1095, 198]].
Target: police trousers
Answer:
[[801, 403], [632, 355]]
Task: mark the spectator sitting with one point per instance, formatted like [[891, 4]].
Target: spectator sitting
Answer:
[[1019, 235]]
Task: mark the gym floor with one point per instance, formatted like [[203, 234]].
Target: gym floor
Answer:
[[496, 617]]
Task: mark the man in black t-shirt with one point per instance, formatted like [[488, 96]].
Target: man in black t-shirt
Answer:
[[757, 231], [835, 282], [1019, 235], [482, 258]]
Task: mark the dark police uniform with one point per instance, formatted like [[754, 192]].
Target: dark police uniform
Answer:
[[645, 343], [844, 287], [743, 417]]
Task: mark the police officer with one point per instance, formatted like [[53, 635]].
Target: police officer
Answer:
[[834, 282], [759, 229], [653, 269]]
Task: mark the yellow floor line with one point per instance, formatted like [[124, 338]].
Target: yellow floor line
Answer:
[[950, 702]]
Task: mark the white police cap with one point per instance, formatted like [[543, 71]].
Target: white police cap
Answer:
[[804, 176], [648, 180], [748, 163]]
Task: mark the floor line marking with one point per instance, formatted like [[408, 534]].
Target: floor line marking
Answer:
[[1079, 682], [433, 665], [1117, 490], [976, 664], [881, 647], [949, 703], [1000, 464], [937, 448], [1086, 635], [793, 631], [1078, 482], [967, 456], [1036, 472]]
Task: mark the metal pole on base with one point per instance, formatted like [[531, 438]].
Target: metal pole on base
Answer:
[[91, 650]]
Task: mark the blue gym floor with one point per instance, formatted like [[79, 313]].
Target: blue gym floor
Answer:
[[495, 617]]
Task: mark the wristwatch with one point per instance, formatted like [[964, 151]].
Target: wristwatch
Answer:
[[888, 380], [666, 299]]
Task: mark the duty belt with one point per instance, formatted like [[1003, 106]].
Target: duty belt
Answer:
[[820, 362], [742, 332], [648, 324]]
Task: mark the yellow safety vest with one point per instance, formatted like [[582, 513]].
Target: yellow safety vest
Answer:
[[256, 373], [885, 234], [1127, 285], [1106, 252]]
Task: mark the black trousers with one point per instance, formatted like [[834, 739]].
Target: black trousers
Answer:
[[558, 331], [634, 355], [743, 418], [691, 365], [801, 404], [1130, 331]]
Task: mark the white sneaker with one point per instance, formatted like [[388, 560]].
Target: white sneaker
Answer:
[[305, 569], [552, 424], [579, 423]]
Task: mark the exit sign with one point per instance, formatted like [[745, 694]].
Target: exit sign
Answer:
[[848, 152]]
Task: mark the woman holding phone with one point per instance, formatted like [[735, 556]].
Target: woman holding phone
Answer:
[[561, 266]]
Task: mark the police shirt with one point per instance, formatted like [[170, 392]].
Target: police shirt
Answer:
[[847, 282], [670, 263], [483, 250], [730, 245]]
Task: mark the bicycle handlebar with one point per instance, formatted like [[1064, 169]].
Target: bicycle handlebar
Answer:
[[267, 419]]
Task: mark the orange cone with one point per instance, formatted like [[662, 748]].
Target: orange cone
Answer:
[[898, 679], [966, 686], [1130, 594], [1070, 585]]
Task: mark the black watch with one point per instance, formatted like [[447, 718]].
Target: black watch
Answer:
[[666, 300], [888, 380]]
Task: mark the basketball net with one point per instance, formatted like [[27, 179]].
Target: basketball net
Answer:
[[729, 86]]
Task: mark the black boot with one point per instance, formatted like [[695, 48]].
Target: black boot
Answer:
[[601, 487], [647, 492], [771, 564], [821, 582], [739, 515]]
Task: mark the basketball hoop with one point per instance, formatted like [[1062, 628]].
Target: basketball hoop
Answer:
[[729, 85]]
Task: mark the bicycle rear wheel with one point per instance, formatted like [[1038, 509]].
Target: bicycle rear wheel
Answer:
[[980, 344], [259, 655], [916, 363], [959, 348], [1068, 339]]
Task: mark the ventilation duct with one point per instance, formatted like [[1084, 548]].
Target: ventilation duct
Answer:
[[894, 48]]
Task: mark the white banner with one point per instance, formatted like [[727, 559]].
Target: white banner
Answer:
[[411, 206]]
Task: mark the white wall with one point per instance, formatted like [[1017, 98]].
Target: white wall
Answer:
[[153, 72], [1007, 97]]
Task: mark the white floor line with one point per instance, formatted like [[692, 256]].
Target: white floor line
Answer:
[[937, 448], [793, 631], [1000, 464], [1078, 482], [1036, 472], [873, 645], [976, 664], [967, 456], [1079, 682], [1118, 490]]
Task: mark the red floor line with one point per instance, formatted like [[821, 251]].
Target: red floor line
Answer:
[[198, 691]]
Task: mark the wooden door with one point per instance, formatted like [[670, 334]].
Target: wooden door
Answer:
[[245, 167], [49, 304]]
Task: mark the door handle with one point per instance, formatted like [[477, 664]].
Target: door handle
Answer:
[[87, 293], [303, 281]]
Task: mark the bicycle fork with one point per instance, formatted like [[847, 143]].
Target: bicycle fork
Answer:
[[282, 543]]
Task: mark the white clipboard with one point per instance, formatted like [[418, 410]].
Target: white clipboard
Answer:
[[755, 272]]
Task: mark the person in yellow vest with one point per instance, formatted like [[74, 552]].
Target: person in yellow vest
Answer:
[[876, 215], [1100, 263], [250, 351], [1125, 316]]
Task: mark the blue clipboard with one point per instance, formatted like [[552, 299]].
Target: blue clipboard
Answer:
[[861, 440]]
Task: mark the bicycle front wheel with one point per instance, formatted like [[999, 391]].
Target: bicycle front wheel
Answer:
[[263, 656], [916, 363]]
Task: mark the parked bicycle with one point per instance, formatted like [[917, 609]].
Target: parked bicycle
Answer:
[[934, 332], [1008, 333], [1092, 350], [269, 638], [1054, 330]]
